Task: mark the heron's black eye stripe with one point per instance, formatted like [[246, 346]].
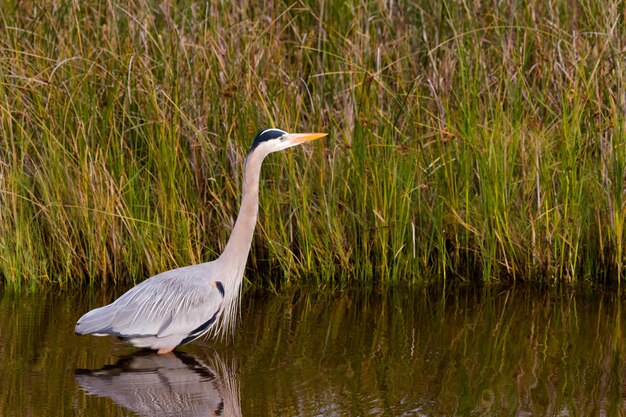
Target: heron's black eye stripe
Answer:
[[266, 135]]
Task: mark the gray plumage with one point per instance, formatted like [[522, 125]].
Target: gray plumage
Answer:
[[160, 312], [182, 304]]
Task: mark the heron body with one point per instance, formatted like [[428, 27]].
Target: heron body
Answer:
[[182, 304]]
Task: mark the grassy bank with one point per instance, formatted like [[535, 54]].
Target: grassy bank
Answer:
[[467, 142]]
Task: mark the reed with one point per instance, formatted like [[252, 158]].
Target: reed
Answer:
[[468, 142]]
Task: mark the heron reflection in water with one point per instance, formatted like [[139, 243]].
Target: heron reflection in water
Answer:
[[180, 305], [176, 384]]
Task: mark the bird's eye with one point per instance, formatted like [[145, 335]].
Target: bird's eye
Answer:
[[282, 138]]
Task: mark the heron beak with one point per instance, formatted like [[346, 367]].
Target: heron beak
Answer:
[[298, 138]]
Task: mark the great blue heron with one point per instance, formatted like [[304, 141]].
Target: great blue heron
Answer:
[[180, 305]]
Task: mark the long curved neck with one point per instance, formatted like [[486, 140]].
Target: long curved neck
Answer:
[[232, 262], [238, 246]]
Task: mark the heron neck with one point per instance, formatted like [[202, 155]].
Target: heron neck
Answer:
[[238, 246]]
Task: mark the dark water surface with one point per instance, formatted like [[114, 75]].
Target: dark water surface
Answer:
[[496, 353]]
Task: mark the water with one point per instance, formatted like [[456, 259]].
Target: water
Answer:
[[475, 353]]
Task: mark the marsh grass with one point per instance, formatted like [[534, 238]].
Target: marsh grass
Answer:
[[474, 142]]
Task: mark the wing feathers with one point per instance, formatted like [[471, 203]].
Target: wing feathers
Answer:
[[96, 321], [163, 306]]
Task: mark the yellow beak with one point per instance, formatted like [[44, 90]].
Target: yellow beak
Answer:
[[297, 138]]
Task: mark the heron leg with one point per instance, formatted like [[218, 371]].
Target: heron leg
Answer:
[[166, 350]]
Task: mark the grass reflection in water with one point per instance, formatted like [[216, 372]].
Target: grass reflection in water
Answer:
[[477, 352]]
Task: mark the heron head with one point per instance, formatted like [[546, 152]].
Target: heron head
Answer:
[[273, 140]]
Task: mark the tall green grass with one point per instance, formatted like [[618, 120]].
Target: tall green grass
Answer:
[[474, 142]]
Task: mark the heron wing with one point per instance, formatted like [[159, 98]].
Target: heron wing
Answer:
[[196, 317], [165, 307], [173, 302]]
